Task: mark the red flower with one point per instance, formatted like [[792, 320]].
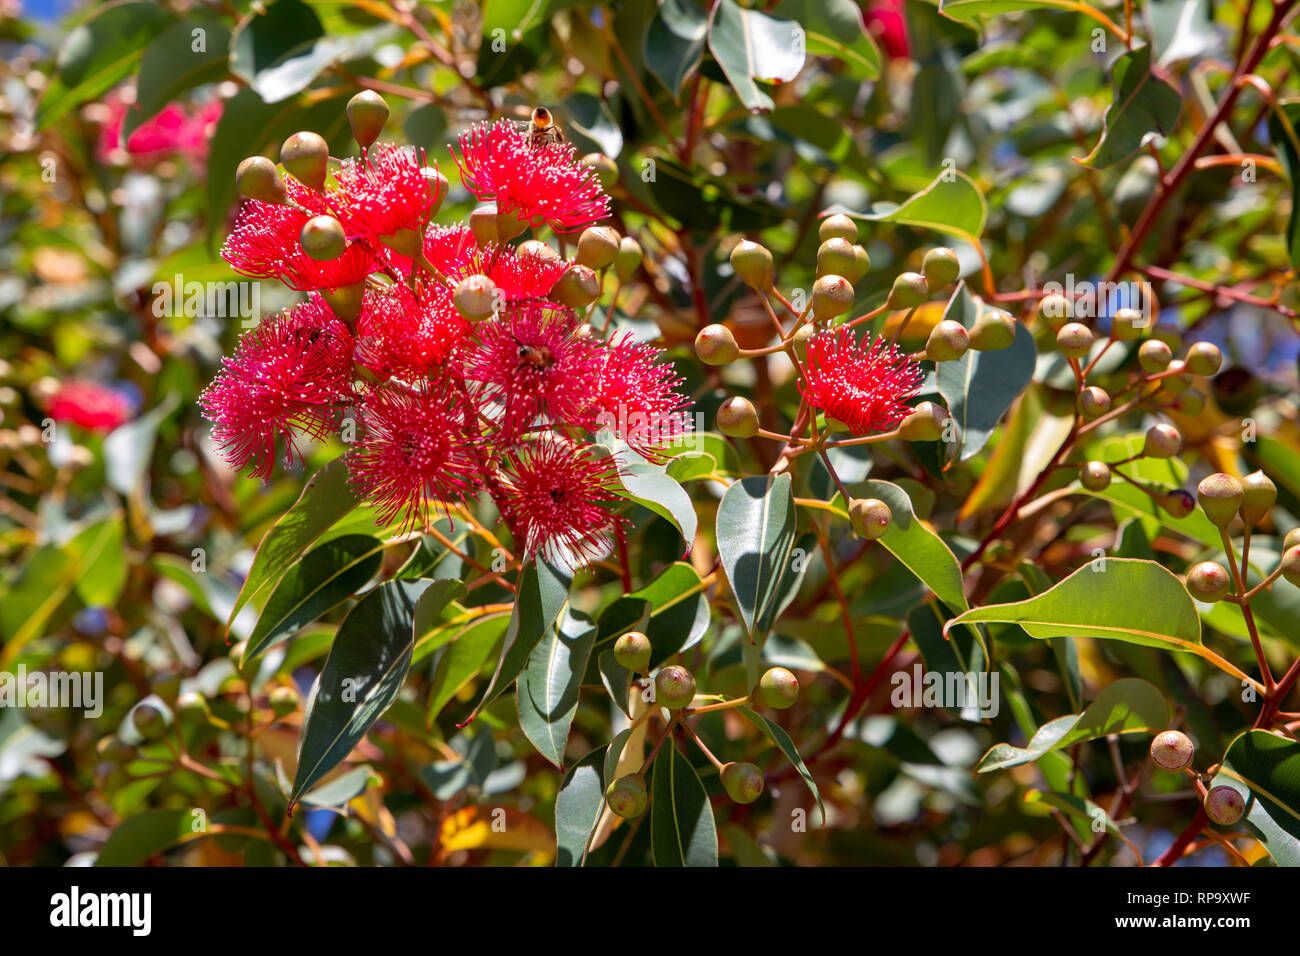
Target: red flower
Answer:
[[400, 333], [90, 405], [865, 388], [382, 192], [288, 375], [886, 22], [537, 183], [265, 244], [413, 456], [532, 363], [559, 502], [447, 247], [518, 277], [636, 396]]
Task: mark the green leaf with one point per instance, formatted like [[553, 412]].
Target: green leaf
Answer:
[[325, 499], [137, 838], [778, 736], [464, 658], [128, 448], [751, 47], [1284, 134], [755, 530], [979, 387], [101, 550], [1128, 706], [835, 28], [171, 67], [1144, 106], [96, 55], [650, 485], [682, 830], [1265, 770], [674, 43], [278, 50], [951, 204], [361, 677], [672, 610], [543, 592], [326, 577], [577, 808], [965, 11], [340, 790], [591, 126], [547, 696]]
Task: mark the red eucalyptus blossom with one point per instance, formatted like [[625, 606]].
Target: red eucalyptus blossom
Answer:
[[559, 502], [289, 376], [865, 387], [517, 276], [383, 192], [90, 405], [636, 396], [538, 183], [400, 332]]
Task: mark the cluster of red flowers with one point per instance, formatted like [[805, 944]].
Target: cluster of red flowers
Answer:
[[865, 388], [90, 405], [446, 405]]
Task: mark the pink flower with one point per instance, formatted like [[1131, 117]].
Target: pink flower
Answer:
[[519, 277], [865, 388], [90, 405], [637, 396], [888, 24], [542, 184], [173, 129], [382, 192], [399, 333], [290, 375]]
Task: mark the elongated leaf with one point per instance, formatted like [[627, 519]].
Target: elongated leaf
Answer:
[[650, 485], [755, 529], [465, 657], [1265, 770], [969, 10], [578, 806], [674, 43], [1284, 134], [979, 387], [361, 677], [751, 46], [128, 448], [835, 28], [548, 686], [326, 577], [1144, 106], [1128, 706], [776, 733], [682, 830], [951, 204], [101, 550], [137, 838], [171, 67]]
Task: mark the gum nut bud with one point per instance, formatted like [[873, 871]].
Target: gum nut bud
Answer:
[[948, 340], [835, 257], [1172, 751], [323, 239], [191, 705], [831, 296], [753, 265], [483, 224], [993, 330], [347, 302], [1224, 805], [115, 750], [838, 226], [1208, 582], [1291, 540], [941, 267], [1220, 496], [1168, 333], [149, 721], [1074, 339], [738, 418], [778, 688], [597, 247], [632, 650], [716, 345], [438, 186], [674, 687], [606, 169], [1055, 310], [924, 423], [1094, 475], [1154, 355], [1126, 325], [627, 796], [1177, 503], [257, 178], [628, 259], [166, 686], [283, 700], [538, 250], [1179, 381], [742, 781], [475, 298], [1258, 495], [801, 337], [367, 114], [870, 517], [510, 224], [908, 291], [861, 265], [577, 288], [1204, 358], [306, 157], [1162, 441], [1291, 564], [1093, 402]]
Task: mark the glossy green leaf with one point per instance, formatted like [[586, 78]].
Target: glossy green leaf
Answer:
[[101, 551], [752, 47], [137, 838], [1145, 106], [1284, 134], [171, 67], [755, 531], [279, 49], [969, 10], [128, 449], [548, 686], [650, 485], [682, 830], [951, 204], [578, 806], [1128, 706], [463, 658], [1265, 769], [324, 578], [835, 28], [776, 733], [674, 43], [590, 126]]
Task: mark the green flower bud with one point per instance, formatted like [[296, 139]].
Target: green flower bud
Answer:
[[924, 423], [347, 302], [674, 687], [323, 239], [306, 157], [1220, 496], [605, 168], [941, 267], [192, 707], [1292, 539], [1162, 441], [716, 345], [1179, 381], [1291, 564], [831, 296], [257, 178], [1094, 475], [838, 226], [861, 265], [577, 288], [836, 257], [800, 339], [367, 114], [1126, 325], [283, 700], [632, 650], [1177, 503], [540, 250], [738, 418], [1074, 340], [437, 185], [1055, 310], [1154, 356], [149, 721], [1204, 358], [742, 781], [908, 291], [1224, 805], [1208, 582], [1170, 334], [627, 796], [597, 247], [753, 265], [993, 330], [870, 517], [948, 340], [1172, 751], [628, 259], [475, 298], [1093, 402], [483, 224], [778, 688], [1258, 495], [406, 242]]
